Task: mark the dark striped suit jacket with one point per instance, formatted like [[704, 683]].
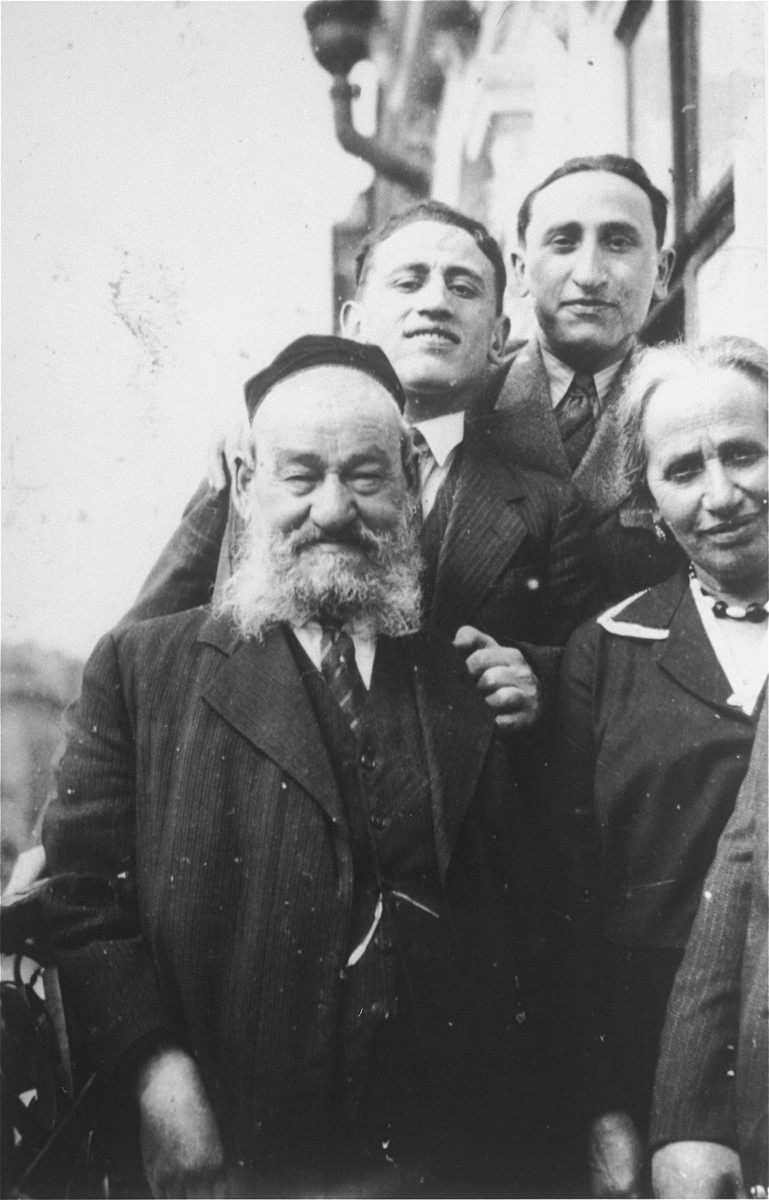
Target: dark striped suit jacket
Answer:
[[202, 869], [515, 560], [712, 1076]]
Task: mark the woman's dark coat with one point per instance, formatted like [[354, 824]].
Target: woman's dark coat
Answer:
[[649, 760]]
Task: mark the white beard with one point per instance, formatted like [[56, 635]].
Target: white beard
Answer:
[[290, 578]]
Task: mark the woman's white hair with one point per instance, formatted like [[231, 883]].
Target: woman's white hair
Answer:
[[664, 364]]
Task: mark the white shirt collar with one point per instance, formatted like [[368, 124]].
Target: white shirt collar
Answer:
[[309, 636], [560, 376], [442, 434], [746, 691]]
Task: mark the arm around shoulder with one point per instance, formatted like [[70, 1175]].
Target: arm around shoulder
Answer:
[[185, 573]]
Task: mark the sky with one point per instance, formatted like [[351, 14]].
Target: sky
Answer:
[[170, 178]]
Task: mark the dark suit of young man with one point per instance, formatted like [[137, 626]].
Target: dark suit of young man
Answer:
[[629, 557], [590, 257]]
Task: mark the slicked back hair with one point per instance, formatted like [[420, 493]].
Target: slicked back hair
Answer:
[[664, 364], [615, 164], [443, 214]]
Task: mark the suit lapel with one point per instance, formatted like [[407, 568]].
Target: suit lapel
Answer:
[[458, 728], [688, 657], [258, 690], [526, 394], [484, 529], [598, 478]]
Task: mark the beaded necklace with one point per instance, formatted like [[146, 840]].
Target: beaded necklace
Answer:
[[755, 612]]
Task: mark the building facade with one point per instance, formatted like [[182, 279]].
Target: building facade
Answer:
[[490, 97]]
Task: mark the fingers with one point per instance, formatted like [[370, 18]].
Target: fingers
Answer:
[[467, 639], [503, 676], [500, 682], [502, 658], [516, 722], [223, 456], [515, 705], [236, 446], [513, 708], [217, 471]]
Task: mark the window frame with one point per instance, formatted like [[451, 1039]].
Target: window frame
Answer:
[[702, 223]]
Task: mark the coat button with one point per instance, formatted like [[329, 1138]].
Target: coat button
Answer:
[[379, 822], [367, 761]]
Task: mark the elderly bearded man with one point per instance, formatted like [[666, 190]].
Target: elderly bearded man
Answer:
[[291, 898]]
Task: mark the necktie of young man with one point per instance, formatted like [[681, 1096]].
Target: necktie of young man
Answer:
[[576, 417], [340, 671], [426, 463]]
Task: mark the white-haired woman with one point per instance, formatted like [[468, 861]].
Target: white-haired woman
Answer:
[[657, 710]]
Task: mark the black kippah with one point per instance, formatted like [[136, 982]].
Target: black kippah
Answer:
[[316, 350]]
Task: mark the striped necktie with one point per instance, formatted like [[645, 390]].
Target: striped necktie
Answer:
[[426, 464], [340, 671], [576, 417]]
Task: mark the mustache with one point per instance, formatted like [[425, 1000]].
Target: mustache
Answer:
[[356, 535]]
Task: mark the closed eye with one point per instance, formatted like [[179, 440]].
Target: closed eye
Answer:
[[684, 470], [743, 456], [300, 482], [367, 481]]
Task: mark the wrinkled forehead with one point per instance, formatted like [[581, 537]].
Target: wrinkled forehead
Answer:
[[328, 402], [430, 243], [591, 198], [716, 404]]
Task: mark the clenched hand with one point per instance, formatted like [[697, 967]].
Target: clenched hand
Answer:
[[503, 675], [180, 1143]]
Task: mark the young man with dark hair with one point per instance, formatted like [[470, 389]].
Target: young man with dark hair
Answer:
[[616, 164], [591, 257], [434, 210]]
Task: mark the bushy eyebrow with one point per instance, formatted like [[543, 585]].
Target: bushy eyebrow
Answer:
[[685, 461], [372, 455], [619, 229], [296, 458], [571, 229], [737, 445], [574, 229]]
